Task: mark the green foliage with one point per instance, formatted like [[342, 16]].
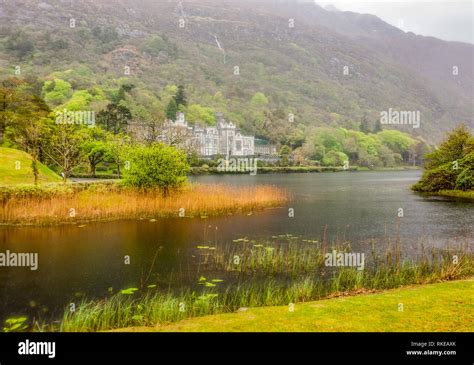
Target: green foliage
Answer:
[[171, 109], [79, 101], [105, 34], [181, 97], [21, 44], [451, 166], [157, 45], [95, 148], [114, 118], [259, 100], [285, 152], [336, 145], [464, 181], [335, 158], [198, 113], [116, 149], [56, 91], [364, 125], [155, 166], [452, 149]]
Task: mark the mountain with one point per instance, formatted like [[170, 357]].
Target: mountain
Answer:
[[225, 52]]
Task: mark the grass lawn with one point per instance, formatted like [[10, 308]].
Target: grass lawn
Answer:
[[447, 306], [13, 173]]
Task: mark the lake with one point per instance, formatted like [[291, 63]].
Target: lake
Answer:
[[362, 208]]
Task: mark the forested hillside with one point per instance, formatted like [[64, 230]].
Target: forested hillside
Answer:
[[257, 62]]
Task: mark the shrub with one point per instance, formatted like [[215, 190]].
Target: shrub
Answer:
[[156, 166], [464, 180]]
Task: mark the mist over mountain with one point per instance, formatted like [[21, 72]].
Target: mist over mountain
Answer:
[[327, 67]]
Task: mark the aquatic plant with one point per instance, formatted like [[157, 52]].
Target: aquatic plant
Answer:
[[296, 276], [99, 202]]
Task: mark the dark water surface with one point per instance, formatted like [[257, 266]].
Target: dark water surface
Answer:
[[86, 261]]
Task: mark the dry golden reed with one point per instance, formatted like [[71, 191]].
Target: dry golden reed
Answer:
[[113, 203]]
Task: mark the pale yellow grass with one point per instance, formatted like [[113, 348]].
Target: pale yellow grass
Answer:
[[111, 203]]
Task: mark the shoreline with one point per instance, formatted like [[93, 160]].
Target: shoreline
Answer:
[[464, 195], [159, 306], [212, 171], [429, 307]]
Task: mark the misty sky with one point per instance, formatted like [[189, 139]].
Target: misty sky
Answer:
[[444, 19]]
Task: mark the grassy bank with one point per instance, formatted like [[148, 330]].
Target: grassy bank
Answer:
[[268, 278], [56, 204], [15, 168], [447, 306], [456, 194]]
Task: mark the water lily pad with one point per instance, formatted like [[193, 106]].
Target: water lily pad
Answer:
[[128, 291]]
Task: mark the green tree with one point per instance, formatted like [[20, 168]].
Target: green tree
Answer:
[[454, 148], [335, 158], [157, 165], [451, 166], [114, 118], [57, 91], [377, 127], [259, 100], [198, 113], [171, 109], [9, 99], [95, 148], [364, 125], [21, 44], [26, 116], [181, 97], [285, 152], [117, 146]]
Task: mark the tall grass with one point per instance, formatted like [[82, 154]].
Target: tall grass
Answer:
[[286, 278], [110, 202]]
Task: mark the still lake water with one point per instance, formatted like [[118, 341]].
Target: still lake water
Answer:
[[358, 207]]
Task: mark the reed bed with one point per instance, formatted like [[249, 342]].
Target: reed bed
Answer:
[[285, 279], [100, 202]]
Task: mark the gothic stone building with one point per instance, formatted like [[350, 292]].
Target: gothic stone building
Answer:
[[224, 139]]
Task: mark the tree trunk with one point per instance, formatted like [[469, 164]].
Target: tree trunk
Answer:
[[34, 166], [118, 170]]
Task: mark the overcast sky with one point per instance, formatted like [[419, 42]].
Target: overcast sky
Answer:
[[444, 19]]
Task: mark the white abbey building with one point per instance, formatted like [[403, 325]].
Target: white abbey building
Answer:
[[224, 139]]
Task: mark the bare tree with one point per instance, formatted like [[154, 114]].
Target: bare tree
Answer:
[[65, 149]]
